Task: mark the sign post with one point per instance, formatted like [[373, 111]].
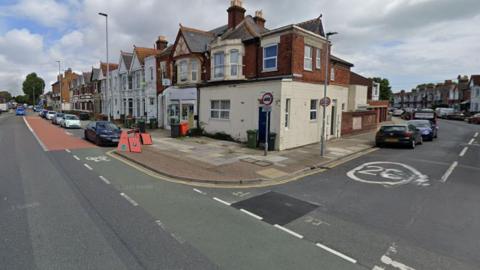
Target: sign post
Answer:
[[266, 100]]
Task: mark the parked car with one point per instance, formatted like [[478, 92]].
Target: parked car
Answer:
[[57, 118], [426, 128], [50, 114], [443, 112], [401, 134], [20, 111], [398, 112], [456, 116], [43, 113], [474, 119], [102, 133], [70, 121]]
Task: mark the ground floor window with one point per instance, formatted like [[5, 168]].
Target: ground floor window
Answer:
[[220, 109], [287, 113], [313, 109]]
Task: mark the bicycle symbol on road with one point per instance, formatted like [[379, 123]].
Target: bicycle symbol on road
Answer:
[[388, 174], [98, 159]]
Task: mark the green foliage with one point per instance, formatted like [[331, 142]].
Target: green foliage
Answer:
[[21, 99], [5, 95], [33, 85], [385, 88]]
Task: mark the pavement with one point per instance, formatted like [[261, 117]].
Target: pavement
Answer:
[[205, 160]]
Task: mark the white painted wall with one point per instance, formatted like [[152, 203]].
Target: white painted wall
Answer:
[[150, 92], [475, 98], [357, 96]]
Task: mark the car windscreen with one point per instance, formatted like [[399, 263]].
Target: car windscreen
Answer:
[[394, 129], [71, 117], [107, 125]]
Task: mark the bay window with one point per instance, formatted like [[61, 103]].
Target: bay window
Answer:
[[194, 64], [234, 63], [218, 65]]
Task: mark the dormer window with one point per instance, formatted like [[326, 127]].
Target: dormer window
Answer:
[[270, 53], [234, 57], [219, 64]]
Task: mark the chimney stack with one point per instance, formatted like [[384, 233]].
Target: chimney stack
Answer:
[[161, 43], [259, 20], [236, 13]]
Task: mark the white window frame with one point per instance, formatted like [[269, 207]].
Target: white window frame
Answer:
[[314, 110], [269, 58], [219, 110], [332, 74], [234, 63], [194, 71], [287, 112], [308, 58], [220, 66], [318, 59], [183, 71]]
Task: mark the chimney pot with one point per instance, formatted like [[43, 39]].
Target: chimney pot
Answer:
[[161, 43], [236, 13], [259, 19]]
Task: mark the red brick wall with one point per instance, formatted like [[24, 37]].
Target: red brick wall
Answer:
[[342, 75], [284, 59], [369, 122], [250, 60]]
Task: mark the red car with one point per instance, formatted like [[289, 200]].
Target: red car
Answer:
[[475, 119]]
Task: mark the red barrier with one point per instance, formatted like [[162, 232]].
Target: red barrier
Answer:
[[134, 144], [123, 144], [146, 139]]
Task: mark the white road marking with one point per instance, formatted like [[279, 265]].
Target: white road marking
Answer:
[[34, 134], [476, 135], [68, 150], [449, 171], [464, 151], [159, 223], [199, 191], [339, 254], [221, 201], [376, 267], [130, 200], [104, 180], [251, 214], [388, 261], [88, 166], [288, 231], [471, 142], [75, 157]]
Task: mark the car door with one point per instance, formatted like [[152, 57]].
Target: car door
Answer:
[[90, 130]]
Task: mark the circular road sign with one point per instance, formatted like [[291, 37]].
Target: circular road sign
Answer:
[[325, 101], [267, 99]]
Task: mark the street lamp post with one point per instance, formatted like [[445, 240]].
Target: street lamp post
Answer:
[[60, 82], [108, 65], [327, 60]]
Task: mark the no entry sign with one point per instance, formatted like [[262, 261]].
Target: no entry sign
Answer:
[[267, 99]]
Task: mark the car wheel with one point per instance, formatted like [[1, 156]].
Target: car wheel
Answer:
[[98, 141], [377, 144]]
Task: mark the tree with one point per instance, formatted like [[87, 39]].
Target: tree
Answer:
[[5, 96], [33, 85], [385, 88], [21, 99]]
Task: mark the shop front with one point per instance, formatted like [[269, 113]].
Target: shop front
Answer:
[[177, 105]]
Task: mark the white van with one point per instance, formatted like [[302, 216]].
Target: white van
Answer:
[[443, 112]]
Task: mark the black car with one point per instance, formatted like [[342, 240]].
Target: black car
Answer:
[[402, 134], [102, 133]]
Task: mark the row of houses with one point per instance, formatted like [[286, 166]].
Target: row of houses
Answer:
[[462, 95], [213, 80]]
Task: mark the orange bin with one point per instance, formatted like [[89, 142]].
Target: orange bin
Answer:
[[183, 129]]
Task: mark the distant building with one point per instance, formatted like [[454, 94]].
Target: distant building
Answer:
[[474, 86]]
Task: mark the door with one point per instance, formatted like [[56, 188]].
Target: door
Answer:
[[333, 120], [262, 122], [188, 114]]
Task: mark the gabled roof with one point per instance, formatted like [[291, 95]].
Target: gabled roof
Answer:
[[245, 30], [315, 26], [475, 79], [95, 74], [127, 58], [197, 40], [86, 77], [166, 51], [142, 53], [103, 67], [333, 58]]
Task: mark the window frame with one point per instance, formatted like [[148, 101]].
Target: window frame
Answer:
[[288, 105], [267, 69], [234, 64], [183, 70], [219, 66], [314, 110], [194, 70], [318, 58], [220, 109], [332, 74], [308, 58]]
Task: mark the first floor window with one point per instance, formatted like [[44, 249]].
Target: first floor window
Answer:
[[313, 109], [318, 62], [152, 101], [287, 113], [234, 63], [307, 58], [194, 64], [218, 64], [182, 70], [220, 109], [270, 54], [332, 74]]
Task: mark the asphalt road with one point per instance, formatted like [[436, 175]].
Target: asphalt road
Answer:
[[390, 209]]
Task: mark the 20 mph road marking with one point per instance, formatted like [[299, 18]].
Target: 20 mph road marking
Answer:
[[88, 167], [449, 171], [288, 231], [130, 200], [339, 254], [463, 151], [251, 214]]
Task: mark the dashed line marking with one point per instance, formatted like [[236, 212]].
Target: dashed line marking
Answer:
[[68, 150], [199, 191], [389, 261], [75, 157], [88, 166], [130, 200], [339, 254], [471, 142], [251, 214], [464, 151], [221, 201], [476, 135], [288, 231], [449, 171], [104, 180]]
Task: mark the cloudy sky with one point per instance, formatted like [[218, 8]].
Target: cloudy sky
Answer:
[[406, 41]]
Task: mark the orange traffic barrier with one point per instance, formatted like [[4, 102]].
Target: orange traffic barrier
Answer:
[[184, 129], [134, 144], [123, 144], [146, 139]]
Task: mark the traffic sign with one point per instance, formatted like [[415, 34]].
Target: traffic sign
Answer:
[[326, 101], [267, 99]]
